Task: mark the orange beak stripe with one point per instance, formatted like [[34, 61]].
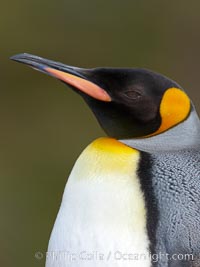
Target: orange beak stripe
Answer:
[[83, 85]]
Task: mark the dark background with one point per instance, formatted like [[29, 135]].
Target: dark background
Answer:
[[44, 125]]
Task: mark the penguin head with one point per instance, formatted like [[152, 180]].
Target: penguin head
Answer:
[[128, 103], [143, 103]]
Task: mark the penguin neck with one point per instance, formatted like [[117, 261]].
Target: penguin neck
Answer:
[[105, 176], [184, 136]]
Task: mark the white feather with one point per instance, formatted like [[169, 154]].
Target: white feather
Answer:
[[102, 218]]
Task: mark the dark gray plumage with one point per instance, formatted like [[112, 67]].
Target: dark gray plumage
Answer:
[[176, 183]]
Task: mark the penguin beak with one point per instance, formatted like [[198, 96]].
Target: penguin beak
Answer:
[[73, 76]]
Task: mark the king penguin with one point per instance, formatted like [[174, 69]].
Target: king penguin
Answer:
[[132, 198]]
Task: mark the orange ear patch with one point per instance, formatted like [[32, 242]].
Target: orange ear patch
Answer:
[[174, 108]]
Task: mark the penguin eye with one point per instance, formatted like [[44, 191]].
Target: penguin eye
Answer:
[[132, 94]]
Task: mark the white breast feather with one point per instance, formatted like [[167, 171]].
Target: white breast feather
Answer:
[[102, 218]]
